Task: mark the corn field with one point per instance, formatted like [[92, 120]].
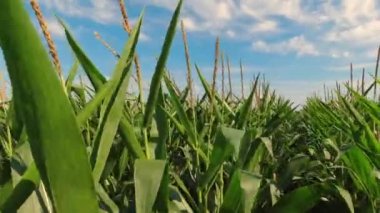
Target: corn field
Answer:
[[75, 147]]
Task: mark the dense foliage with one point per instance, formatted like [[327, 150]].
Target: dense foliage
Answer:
[[73, 147]]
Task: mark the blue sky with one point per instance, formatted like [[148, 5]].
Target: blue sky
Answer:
[[299, 45]]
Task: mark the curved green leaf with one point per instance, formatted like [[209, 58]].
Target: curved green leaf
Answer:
[[160, 68], [55, 139], [148, 176], [114, 105]]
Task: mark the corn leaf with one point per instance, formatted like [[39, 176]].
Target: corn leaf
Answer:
[[147, 177], [160, 68], [55, 140], [300, 200]]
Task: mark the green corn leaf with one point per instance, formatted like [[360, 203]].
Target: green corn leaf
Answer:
[[179, 204], [300, 200], [208, 93], [6, 185], [30, 180], [97, 80], [246, 142], [255, 155], [22, 198], [268, 145], [147, 177], [128, 134], [114, 105], [183, 118], [95, 76], [160, 68], [234, 137], [163, 127], [55, 139], [346, 196], [14, 122], [181, 185], [232, 201], [176, 123], [372, 108], [183, 95], [241, 192], [250, 185], [227, 144], [294, 167], [73, 71], [95, 102], [369, 141], [80, 91], [112, 207], [108, 126], [162, 202], [243, 114], [362, 171], [207, 89]]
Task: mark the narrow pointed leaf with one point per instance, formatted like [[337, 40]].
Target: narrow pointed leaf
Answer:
[[95, 76], [95, 102], [227, 144], [114, 105], [183, 118], [73, 71], [160, 68], [207, 89], [299, 200], [243, 114], [147, 177], [55, 139], [241, 192], [345, 195], [97, 80], [24, 188]]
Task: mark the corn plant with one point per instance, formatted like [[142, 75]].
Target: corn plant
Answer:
[[76, 147]]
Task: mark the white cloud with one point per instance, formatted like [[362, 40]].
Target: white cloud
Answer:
[[190, 24], [298, 45], [223, 11], [352, 12], [299, 11], [144, 37], [55, 28], [355, 25], [363, 34], [212, 15], [261, 9], [334, 53], [217, 17], [101, 11], [265, 26], [231, 33], [330, 23]]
